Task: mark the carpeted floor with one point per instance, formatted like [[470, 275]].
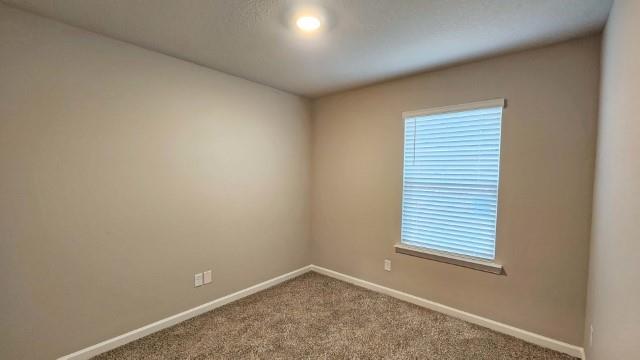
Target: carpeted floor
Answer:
[[317, 317]]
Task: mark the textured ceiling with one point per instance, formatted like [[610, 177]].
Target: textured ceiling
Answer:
[[366, 40]]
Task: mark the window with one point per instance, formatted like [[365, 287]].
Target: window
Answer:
[[451, 173]]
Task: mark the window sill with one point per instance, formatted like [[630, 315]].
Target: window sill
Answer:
[[486, 266]]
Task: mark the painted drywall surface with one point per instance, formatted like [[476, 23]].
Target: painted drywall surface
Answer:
[[124, 172], [548, 150], [254, 38], [614, 276]]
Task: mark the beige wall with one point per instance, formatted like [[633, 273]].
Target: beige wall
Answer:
[[614, 279], [124, 172], [548, 147]]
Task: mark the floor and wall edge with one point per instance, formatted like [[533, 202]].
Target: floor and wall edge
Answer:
[[126, 338], [527, 336], [123, 339]]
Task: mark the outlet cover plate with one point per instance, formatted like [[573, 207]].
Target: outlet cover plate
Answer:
[[197, 280]]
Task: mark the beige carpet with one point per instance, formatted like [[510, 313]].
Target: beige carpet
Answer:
[[317, 317]]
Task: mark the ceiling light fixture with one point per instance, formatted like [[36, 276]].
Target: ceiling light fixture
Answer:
[[308, 23]]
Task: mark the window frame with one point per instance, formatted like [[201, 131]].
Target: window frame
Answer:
[[486, 265]]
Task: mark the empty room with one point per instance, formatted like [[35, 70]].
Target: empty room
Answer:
[[320, 179]]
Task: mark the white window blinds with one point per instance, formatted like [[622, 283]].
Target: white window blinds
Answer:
[[451, 169]]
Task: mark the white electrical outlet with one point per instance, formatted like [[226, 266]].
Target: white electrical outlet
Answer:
[[591, 335], [387, 264], [197, 279], [207, 277]]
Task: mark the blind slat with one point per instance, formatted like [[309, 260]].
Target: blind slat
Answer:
[[450, 199], [453, 133], [459, 221], [471, 236], [471, 122], [435, 222]]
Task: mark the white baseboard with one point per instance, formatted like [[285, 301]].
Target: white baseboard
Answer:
[[123, 339], [117, 341], [475, 319]]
